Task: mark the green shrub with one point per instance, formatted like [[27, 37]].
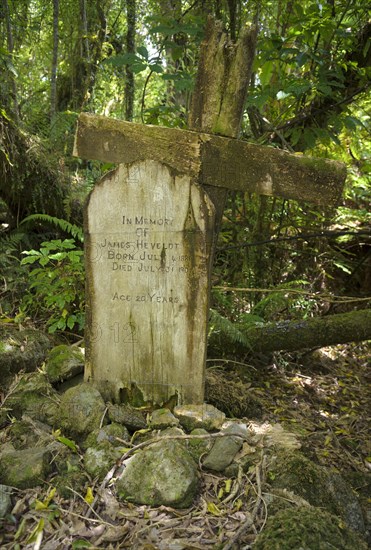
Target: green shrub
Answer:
[[56, 286]]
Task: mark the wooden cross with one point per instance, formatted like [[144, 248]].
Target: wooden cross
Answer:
[[149, 234]]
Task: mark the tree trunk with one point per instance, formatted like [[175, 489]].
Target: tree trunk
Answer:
[[295, 335], [53, 76], [130, 48], [10, 45]]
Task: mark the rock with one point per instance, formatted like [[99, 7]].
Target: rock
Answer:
[[21, 350], [199, 416], [306, 528], [81, 410], [108, 433], [317, 485], [31, 433], [25, 468], [98, 461], [5, 500], [346, 503], [198, 447], [63, 363], [171, 432], [162, 418], [161, 474], [127, 415], [225, 448], [34, 396]]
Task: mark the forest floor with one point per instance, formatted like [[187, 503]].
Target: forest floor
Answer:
[[323, 397]]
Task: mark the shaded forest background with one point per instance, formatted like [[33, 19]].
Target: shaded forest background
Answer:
[[309, 93]]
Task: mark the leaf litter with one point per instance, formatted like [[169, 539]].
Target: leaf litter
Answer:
[[323, 399]]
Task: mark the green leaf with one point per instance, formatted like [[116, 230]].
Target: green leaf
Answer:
[[58, 256], [266, 73], [68, 443], [163, 29], [36, 532], [44, 261], [30, 259], [156, 68], [122, 59], [142, 50], [9, 65], [351, 122], [213, 509], [325, 89], [139, 67], [298, 88], [71, 321], [81, 543], [57, 325]]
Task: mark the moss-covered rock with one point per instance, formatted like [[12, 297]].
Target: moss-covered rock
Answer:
[[25, 468], [199, 416], [162, 418], [5, 500], [21, 350], [99, 460], [64, 362], [81, 410], [33, 395], [111, 433], [125, 414], [27, 433], [162, 474], [307, 528], [317, 485]]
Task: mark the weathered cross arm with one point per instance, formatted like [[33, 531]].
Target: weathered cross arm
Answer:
[[213, 160]]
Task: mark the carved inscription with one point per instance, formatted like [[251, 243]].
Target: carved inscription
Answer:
[[148, 237]]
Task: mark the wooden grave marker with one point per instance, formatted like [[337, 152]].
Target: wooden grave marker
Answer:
[[149, 235]]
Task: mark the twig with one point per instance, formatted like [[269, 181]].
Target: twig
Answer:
[[226, 361], [251, 517], [236, 486], [91, 509], [102, 419]]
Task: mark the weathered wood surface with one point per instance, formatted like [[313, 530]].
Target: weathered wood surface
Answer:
[[148, 234], [218, 100], [223, 78], [212, 160], [340, 328]]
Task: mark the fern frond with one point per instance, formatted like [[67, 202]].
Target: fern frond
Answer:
[[11, 240], [64, 225], [226, 328]]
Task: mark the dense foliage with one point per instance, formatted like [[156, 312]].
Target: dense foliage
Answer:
[[138, 60]]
